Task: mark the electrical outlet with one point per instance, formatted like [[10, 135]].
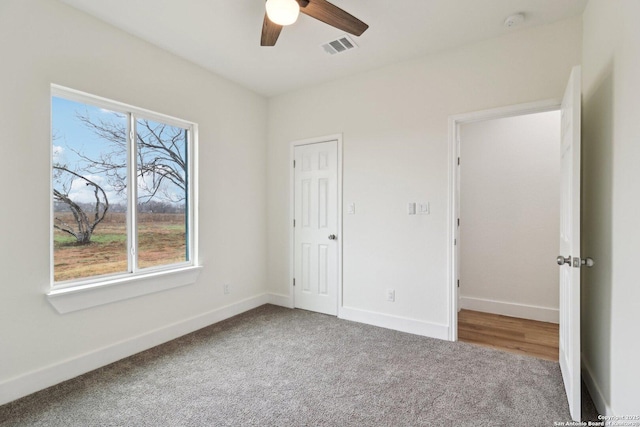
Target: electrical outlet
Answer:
[[225, 288], [391, 295]]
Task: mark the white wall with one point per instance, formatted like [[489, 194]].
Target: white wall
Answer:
[[394, 122], [510, 215], [395, 136], [45, 42], [610, 204]]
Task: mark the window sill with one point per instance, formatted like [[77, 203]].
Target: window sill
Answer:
[[72, 299]]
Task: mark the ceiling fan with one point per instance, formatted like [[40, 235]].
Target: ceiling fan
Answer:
[[285, 12]]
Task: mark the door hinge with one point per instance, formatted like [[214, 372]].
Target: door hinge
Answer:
[[458, 161], [294, 163], [458, 222], [458, 282], [294, 222], [455, 242], [294, 281]]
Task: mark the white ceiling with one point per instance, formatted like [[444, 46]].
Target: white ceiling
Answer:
[[224, 35]]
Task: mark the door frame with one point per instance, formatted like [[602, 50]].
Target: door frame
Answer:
[[455, 121], [334, 137]]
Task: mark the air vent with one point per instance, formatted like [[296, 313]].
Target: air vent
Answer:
[[341, 44]]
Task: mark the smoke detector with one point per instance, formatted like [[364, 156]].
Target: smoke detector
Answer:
[[514, 20]]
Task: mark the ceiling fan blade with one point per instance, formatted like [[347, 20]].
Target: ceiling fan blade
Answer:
[[326, 12], [270, 32]]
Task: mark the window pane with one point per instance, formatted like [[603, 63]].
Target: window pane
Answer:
[[89, 190], [162, 193]]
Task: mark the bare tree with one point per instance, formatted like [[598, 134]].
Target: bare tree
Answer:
[[161, 162], [85, 222]]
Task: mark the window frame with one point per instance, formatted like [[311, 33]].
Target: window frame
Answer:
[[134, 273]]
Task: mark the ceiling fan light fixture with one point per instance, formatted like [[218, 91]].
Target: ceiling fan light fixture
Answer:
[[283, 12]]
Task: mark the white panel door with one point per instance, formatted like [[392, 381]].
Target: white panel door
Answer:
[[316, 227], [569, 259]]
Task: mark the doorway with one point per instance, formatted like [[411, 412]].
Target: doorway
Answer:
[[509, 210], [316, 224], [570, 260], [507, 174]]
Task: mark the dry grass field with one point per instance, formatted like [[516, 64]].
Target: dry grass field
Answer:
[[161, 240]]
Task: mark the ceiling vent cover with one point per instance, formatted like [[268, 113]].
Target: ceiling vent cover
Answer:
[[341, 44]]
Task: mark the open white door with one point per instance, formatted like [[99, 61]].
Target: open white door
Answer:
[[316, 227], [569, 259]]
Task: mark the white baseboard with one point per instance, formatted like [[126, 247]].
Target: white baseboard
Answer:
[[281, 300], [523, 311], [31, 382], [402, 324], [397, 323], [596, 394]]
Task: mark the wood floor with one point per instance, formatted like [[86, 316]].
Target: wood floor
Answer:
[[521, 336]]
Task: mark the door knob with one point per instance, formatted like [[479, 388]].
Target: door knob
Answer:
[[588, 261], [577, 262], [332, 237]]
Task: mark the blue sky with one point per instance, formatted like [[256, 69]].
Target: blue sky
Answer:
[[72, 136]]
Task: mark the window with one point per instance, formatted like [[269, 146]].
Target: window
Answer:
[[122, 192]]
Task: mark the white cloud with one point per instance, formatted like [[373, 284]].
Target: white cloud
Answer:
[[58, 153], [82, 193], [105, 111], [168, 192]]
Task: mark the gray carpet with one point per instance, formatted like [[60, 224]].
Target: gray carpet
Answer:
[[279, 367]]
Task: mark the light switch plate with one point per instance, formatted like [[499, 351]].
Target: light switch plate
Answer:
[[411, 208], [391, 295], [351, 208], [423, 208]]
